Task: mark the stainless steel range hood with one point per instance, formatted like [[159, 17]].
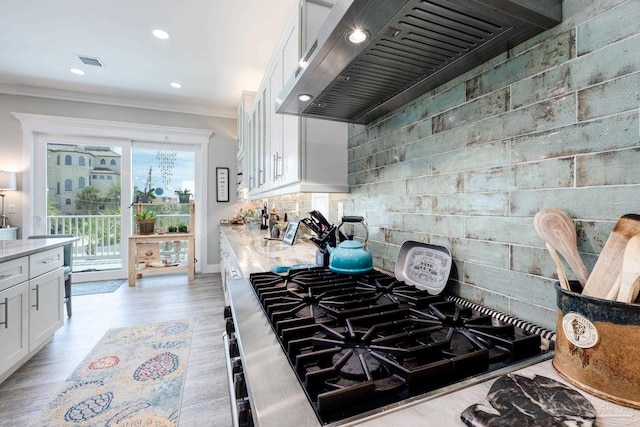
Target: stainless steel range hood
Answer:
[[413, 47]]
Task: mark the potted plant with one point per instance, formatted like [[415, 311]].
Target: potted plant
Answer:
[[146, 196], [146, 221], [182, 228], [183, 195], [172, 229]]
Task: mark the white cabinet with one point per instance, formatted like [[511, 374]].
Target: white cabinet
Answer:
[[257, 147], [14, 325], [244, 140], [46, 293], [31, 305], [290, 154]]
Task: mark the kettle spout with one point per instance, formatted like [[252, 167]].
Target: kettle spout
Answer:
[[330, 249]]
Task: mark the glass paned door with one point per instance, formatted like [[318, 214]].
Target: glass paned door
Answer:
[[83, 196], [77, 190], [161, 171]]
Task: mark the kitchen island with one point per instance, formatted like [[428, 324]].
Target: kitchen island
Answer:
[[31, 298], [276, 397]]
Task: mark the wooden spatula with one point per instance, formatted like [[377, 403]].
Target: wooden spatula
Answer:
[[609, 263], [556, 228], [630, 274]]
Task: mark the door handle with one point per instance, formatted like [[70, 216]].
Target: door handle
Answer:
[[37, 304]]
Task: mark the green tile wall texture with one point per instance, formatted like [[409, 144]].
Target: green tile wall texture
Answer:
[[551, 123]]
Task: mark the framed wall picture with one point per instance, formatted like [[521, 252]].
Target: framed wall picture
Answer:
[[222, 184], [290, 233]]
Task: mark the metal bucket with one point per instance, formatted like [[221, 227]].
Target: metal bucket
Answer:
[[598, 346]]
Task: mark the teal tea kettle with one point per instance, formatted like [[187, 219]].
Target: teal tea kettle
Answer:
[[351, 256]]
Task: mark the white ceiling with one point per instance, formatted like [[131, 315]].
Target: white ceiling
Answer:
[[217, 49]]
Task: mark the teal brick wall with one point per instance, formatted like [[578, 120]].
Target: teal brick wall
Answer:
[[551, 123]]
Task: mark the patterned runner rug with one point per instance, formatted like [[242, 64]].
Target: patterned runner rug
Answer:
[[132, 377]]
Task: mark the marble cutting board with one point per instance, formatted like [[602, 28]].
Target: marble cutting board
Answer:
[[516, 400]]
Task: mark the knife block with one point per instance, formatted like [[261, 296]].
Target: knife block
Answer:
[[322, 258], [597, 346]]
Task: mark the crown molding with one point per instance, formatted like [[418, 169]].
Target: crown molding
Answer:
[[119, 101], [58, 125]]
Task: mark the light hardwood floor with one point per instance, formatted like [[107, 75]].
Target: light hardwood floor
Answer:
[[205, 400]]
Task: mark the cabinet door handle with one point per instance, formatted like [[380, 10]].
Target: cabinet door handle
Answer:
[[276, 159], [37, 304], [50, 260], [6, 313], [5, 276]]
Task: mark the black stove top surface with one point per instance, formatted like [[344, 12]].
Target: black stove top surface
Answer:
[[358, 343]]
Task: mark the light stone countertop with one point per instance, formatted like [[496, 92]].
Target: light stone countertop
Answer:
[[12, 249], [255, 254], [442, 408]]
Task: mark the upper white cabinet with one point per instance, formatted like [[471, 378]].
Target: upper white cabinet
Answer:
[[244, 111], [288, 154]]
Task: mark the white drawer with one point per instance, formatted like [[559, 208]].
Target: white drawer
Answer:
[[45, 261], [13, 272]]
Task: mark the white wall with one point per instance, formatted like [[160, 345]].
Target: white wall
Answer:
[[222, 149]]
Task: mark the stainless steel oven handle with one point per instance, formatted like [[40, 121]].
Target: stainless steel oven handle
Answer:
[[232, 392]]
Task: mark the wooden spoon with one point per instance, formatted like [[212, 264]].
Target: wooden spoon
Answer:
[[562, 276], [609, 265], [630, 274], [556, 228]]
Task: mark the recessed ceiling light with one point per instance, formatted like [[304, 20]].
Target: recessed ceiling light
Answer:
[[358, 36], [304, 97], [161, 34], [77, 71], [176, 85]]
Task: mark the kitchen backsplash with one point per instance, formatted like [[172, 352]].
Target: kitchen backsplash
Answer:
[[551, 123]]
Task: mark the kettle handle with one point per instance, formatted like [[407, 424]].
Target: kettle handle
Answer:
[[359, 219], [352, 219]]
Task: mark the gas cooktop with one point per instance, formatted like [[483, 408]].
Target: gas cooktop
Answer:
[[359, 343]]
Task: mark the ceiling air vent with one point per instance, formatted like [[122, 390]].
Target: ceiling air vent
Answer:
[[88, 60]]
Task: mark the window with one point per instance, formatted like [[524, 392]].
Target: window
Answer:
[[58, 160], [101, 176], [67, 160], [103, 162], [67, 201], [95, 176], [109, 177], [81, 161], [81, 182], [68, 185], [58, 188], [113, 162]]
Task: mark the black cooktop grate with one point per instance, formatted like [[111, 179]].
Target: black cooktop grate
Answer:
[[358, 343]]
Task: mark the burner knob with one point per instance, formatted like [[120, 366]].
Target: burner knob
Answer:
[[230, 327], [240, 386], [227, 312]]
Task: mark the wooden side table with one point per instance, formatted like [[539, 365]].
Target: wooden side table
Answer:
[[137, 239]]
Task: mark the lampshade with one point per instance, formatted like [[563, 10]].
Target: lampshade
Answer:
[[7, 180]]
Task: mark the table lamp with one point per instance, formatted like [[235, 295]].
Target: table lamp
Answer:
[[7, 182]]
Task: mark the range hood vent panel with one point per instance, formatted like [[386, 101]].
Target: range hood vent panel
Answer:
[[415, 46]]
